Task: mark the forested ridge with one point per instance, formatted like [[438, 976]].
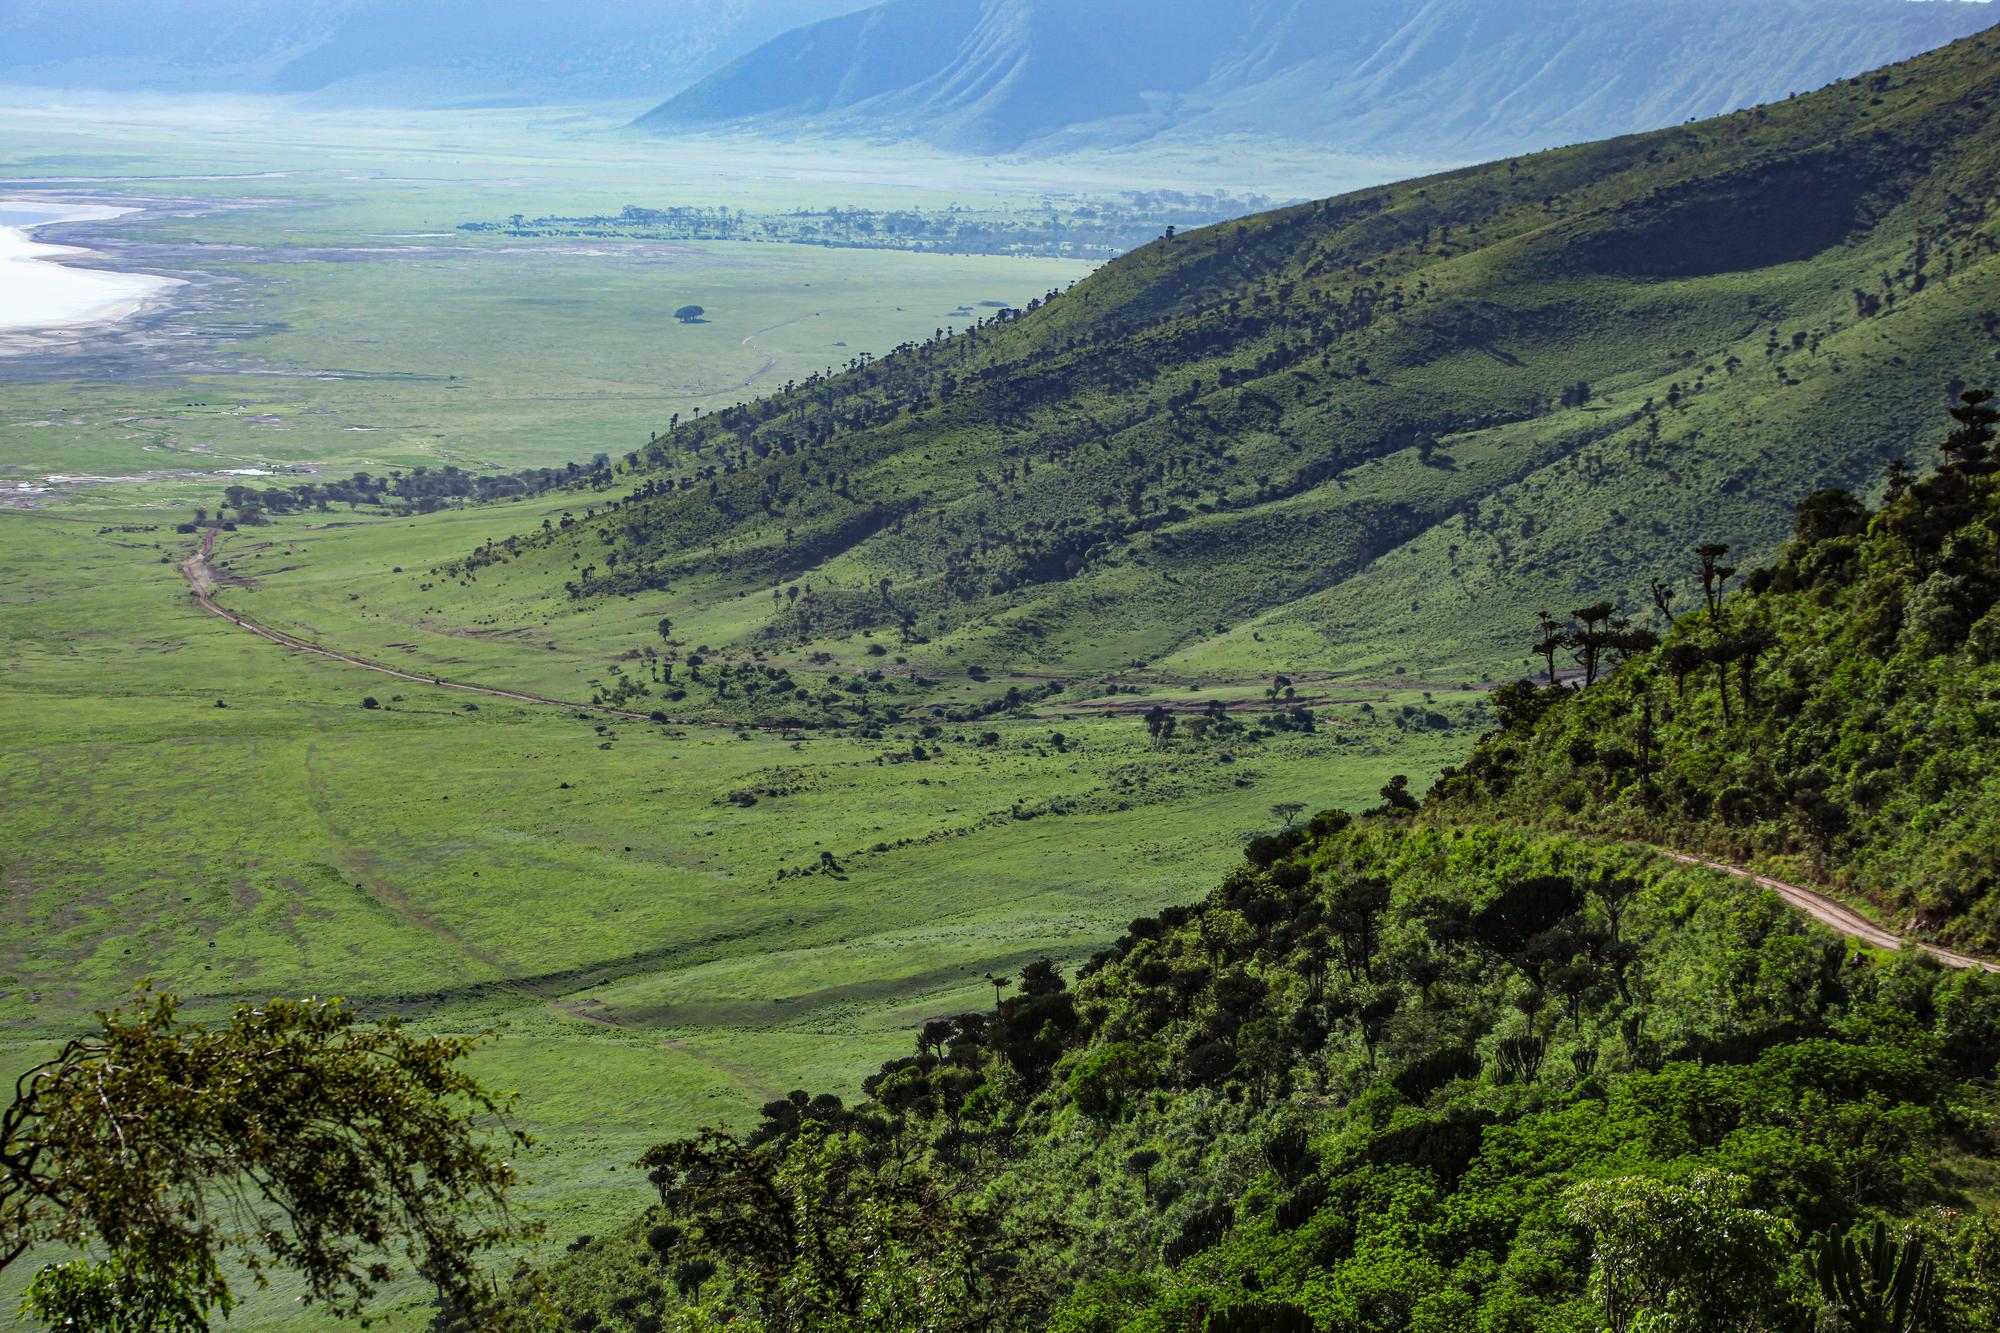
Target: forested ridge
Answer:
[[1484, 1061], [1834, 714]]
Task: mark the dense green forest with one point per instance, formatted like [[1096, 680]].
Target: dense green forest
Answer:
[[1363, 433], [1446, 1066]]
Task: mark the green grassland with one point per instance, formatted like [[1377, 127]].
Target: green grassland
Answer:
[[629, 928], [374, 355]]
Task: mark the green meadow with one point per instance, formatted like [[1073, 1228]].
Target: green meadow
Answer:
[[338, 319], [193, 805]]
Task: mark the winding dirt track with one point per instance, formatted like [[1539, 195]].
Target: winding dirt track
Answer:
[[1832, 913], [197, 573], [770, 358], [1828, 911]]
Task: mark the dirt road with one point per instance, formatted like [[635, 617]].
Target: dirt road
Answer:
[[770, 358], [1820, 907], [200, 579], [1833, 913]]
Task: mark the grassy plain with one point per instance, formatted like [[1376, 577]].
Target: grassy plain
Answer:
[[189, 804], [591, 885], [338, 319]]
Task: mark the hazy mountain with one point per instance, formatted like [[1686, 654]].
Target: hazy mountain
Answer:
[[399, 51], [1440, 78]]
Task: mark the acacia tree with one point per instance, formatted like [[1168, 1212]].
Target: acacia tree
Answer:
[[1713, 574], [1590, 643], [1663, 600], [293, 1137], [1969, 448], [1552, 641]]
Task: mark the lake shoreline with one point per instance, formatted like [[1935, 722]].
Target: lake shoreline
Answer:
[[53, 293]]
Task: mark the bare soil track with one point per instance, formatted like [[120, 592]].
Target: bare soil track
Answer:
[[1833, 913]]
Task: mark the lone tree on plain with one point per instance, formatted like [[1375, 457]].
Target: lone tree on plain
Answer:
[[690, 314], [1288, 811], [291, 1137]]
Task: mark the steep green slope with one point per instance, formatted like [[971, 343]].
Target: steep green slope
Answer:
[[1837, 718], [1386, 1077], [1437, 1068], [1351, 437]]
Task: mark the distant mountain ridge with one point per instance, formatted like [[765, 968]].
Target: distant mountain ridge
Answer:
[[1456, 79], [410, 52]]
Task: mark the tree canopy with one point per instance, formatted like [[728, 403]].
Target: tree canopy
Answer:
[[292, 1137]]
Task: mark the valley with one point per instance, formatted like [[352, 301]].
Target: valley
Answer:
[[336, 321], [620, 594], [432, 857]]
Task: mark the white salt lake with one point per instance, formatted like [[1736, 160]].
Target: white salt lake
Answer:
[[41, 288]]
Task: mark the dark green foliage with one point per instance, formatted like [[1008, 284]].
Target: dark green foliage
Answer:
[[292, 1139], [1260, 1318], [1835, 719], [1211, 1121]]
